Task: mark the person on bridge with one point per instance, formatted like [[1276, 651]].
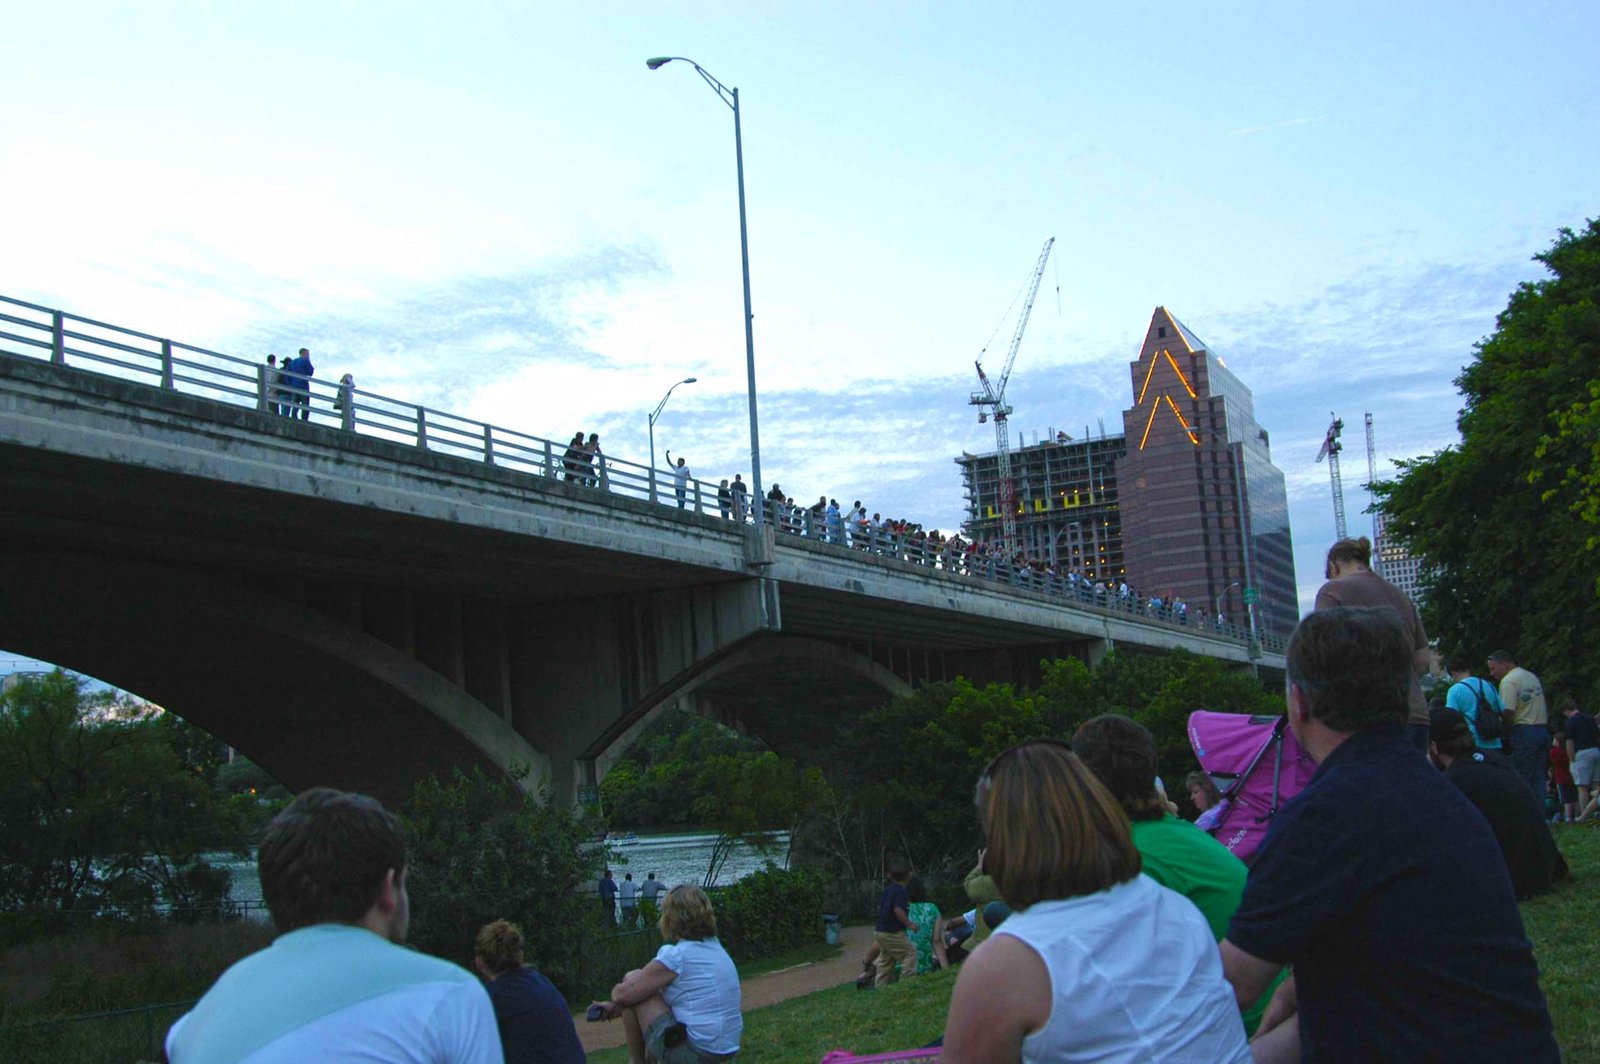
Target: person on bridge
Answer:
[[594, 460], [300, 373], [680, 477], [337, 984], [573, 460], [269, 384]]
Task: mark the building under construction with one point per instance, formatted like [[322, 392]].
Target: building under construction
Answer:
[[1066, 492], [1185, 501]]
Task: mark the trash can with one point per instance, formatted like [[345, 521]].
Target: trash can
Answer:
[[830, 928]]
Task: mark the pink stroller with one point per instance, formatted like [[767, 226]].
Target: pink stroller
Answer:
[[1256, 765]]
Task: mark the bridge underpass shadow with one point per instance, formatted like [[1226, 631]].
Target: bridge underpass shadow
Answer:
[[313, 702]]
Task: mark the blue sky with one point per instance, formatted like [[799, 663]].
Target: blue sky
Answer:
[[497, 210]]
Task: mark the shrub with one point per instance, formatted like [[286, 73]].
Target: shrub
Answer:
[[479, 850], [770, 911]]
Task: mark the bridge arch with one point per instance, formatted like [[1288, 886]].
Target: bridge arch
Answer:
[[743, 663], [313, 701]]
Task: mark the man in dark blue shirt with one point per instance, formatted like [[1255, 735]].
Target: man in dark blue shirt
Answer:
[[1380, 882]]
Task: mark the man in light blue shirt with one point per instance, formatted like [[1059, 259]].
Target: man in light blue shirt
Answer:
[[337, 986], [1463, 698]]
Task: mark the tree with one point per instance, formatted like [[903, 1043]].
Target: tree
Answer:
[[751, 799], [1505, 521], [911, 792], [479, 850], [103, 814]]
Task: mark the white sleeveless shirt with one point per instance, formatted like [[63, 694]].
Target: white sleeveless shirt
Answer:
[[1135, 978]]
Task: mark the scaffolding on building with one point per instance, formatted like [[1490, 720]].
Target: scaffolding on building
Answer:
[[1066, 502]]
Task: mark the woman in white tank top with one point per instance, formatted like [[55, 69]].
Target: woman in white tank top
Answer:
[[1098, 963]]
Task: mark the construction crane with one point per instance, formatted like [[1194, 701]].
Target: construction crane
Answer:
[[1330, 450], [991, 402], [1372, 500]]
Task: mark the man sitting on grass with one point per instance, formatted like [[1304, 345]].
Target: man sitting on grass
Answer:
[[337, 985], [1379, 882]]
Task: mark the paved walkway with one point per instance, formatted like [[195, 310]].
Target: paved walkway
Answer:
[[769, 988]]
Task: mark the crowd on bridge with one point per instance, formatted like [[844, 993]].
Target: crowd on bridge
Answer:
[[906, 540], [288, 387]]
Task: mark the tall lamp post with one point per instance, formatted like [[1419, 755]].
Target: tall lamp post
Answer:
[[654, 414], [1224, 595], [731, 98]]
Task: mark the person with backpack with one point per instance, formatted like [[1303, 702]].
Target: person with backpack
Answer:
[[1476, 699]]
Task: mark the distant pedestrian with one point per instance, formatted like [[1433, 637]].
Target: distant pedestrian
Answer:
[[572, 461], [269, 384], [738, 492], [300, 373], [652, 888], [1523, 698], [680, 477], [608, 898], [725, 500], [344, 401], [594, 459], [629, 896]]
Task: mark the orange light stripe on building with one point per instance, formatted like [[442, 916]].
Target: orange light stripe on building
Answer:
[[1181, 377], [1147, 375], [1179, 414], [1153, 408]]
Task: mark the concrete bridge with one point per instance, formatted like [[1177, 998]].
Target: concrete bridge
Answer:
[[359, 604]]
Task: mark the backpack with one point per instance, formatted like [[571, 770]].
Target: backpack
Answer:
[[1490, 726]]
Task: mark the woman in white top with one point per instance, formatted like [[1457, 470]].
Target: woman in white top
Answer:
[[1097, 963], [684, 1006]]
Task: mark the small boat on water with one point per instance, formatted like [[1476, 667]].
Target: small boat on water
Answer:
[[622, 838]]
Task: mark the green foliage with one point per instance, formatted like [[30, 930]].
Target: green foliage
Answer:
[[911, 792], [749, 797], [105, 814], [770, 911], [656, 784], [1505, 523], [116, 966], [478, 849]]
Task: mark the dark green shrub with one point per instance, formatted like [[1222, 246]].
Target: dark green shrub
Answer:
[[770, 911]]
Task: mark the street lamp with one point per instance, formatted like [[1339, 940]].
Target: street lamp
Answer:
[[731, 98], [1224, 595], [654, 414]]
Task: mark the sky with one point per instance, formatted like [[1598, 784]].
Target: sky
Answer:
[[499, 211]]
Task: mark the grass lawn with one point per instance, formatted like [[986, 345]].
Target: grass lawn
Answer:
[[1563, 926]]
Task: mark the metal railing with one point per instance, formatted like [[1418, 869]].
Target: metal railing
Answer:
[[115, 1037], [68, 339]]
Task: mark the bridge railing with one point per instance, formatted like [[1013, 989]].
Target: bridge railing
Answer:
[[31, 330]]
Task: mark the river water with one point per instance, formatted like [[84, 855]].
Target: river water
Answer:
[[673, 858]]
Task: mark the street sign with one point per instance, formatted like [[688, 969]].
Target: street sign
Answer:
[[1251, 596]]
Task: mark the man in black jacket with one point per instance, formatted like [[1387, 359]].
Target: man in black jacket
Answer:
[[1491, 783]]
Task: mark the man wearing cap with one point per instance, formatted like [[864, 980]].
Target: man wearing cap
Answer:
[[1515, 817], [1526, 716]]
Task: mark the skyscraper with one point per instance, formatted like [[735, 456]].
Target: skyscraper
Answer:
[[1205, 513]]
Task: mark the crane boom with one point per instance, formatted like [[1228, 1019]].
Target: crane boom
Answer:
[[1330, 450], [993, 396]]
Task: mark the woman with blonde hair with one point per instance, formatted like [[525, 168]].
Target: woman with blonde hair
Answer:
[[684, 1006], [1097, 962], [535, 1026]]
